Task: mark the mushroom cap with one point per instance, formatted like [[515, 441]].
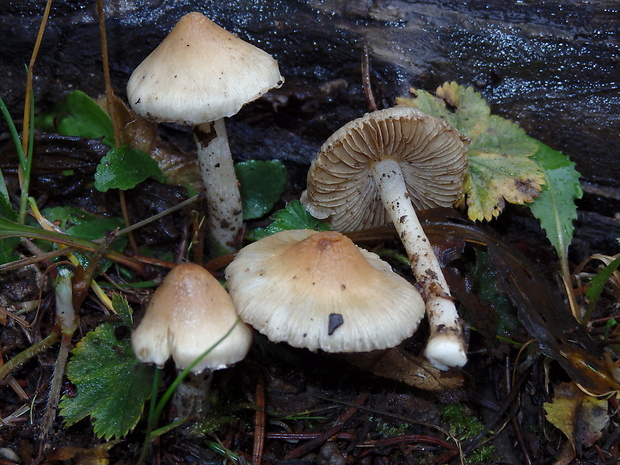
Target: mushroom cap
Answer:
[[318, 290], [187, 315], [431, 153], [200, 73]]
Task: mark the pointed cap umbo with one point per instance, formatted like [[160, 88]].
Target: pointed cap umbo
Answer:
[[199, 73], [318, 290], [187, 315], [430, 153]]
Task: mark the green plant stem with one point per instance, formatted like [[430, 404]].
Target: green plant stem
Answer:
[[29, 353], [13, 131], [27, 168], [151, 418], [11, 229], [16, 143]]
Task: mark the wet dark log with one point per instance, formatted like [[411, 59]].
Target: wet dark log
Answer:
[[552, 66]]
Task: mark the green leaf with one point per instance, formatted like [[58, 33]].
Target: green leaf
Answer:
[[261, 185], [7, 245], [78, 115], [293, 216], [555, 208], [85, 225], [112, 385], [598, 282], [123, 309], [124, 167], [501, 167]]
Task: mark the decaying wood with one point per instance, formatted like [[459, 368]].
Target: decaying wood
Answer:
[[552, 66]]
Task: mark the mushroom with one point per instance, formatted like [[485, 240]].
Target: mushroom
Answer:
[[188, 314], [375, 170], [318, 290], [198, 75]]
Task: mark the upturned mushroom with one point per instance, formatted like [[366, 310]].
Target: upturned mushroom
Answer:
[[318, 290], [198, 75], [188, 314], [375, 170]]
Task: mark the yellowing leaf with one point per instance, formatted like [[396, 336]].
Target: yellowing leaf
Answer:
[[579, 416], [500, 165]]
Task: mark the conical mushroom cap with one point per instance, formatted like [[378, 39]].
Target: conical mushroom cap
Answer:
[[320, 291], [200, 73], [187, 315], [431, 153]]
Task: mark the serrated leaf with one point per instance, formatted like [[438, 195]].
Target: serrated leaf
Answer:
[[123, 309], [78, 115], [125, 167], [261, 185], [579, 416], [555, 208], [501, 167], [112, 385], [293, 216]]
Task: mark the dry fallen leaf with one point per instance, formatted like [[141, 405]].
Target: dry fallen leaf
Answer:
[[402, 366], [580, 417]]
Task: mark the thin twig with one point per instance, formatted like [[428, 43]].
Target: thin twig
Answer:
[[29, 353], [339, 424], [259, 421], [370, 98], [28, 98]]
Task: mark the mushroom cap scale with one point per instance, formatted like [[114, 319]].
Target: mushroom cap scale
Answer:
[[319, 291], [200, 73], [187, 315], [431, 154]]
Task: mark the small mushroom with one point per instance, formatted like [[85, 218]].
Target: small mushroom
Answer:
[[189, 313], [318, 290], [376, 169], [198, 75]]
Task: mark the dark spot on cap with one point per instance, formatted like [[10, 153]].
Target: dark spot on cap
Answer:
[[335, 321]]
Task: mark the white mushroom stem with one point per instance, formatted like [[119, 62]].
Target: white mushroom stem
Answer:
[[446, 344], [224, 217]]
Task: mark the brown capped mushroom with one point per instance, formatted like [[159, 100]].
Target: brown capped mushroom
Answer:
[[318, 290], [188, 314], [197, 76], [375, 170]]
